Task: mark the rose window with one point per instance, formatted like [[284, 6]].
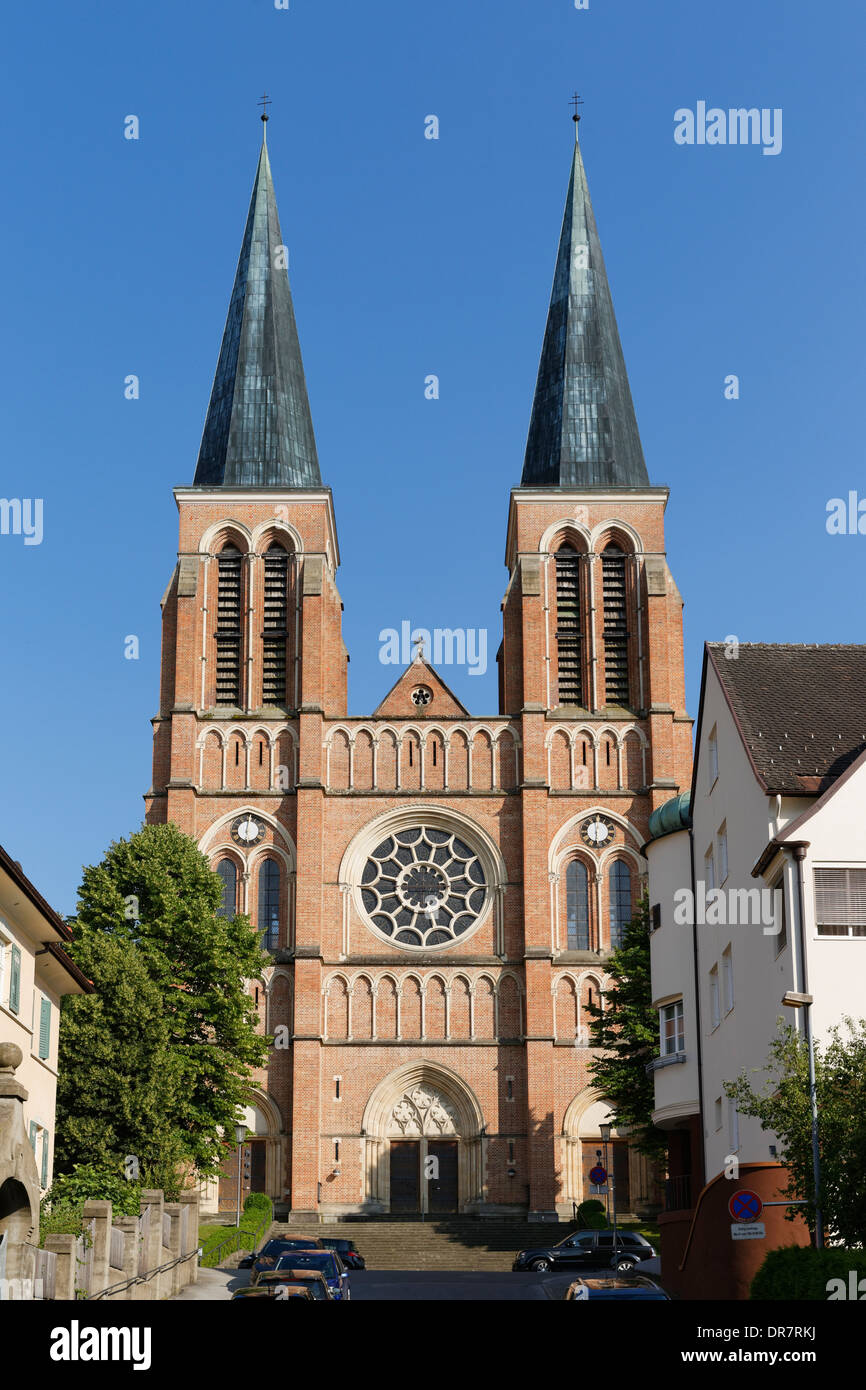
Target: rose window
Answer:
[[421, 695], [423, 887]]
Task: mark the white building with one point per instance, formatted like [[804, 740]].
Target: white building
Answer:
[[777, 798], [35, 972]]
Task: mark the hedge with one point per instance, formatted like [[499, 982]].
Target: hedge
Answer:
[[800, 1272]]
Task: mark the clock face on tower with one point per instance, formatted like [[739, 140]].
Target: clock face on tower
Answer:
[[598, 831], [246, 830]]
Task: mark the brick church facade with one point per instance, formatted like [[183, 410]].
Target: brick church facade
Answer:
[[437, 892]]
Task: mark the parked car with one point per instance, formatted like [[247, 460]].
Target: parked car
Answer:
[[347, 1251], [636, 1289], [282, 1291], [312, 1279], [280, 1245], [651, 1266], [583, 1248], [327, 1262]]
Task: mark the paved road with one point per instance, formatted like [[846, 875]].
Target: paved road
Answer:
[[412, 1286], [391, 1285]]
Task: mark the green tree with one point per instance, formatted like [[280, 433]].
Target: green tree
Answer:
[[118, 1080], [782, 1106], [155, 896], [627, 1032]]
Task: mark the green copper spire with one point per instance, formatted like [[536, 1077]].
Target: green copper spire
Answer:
[[259, 431], [583, 432]]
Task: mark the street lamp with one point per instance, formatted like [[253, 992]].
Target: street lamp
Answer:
[[604, 1130], [240, 1136]]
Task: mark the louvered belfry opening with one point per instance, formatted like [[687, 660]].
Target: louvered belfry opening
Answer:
[[275, 633], [228, 631], [568, 634], [616, 684]]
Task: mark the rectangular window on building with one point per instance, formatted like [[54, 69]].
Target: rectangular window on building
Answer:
[[672, 1039], [15, 980], [723, 851], [840, 902], [655, 916], [715, 1011], [728, 979], [780, 916], [4, 945], [34, 1129], [709, 871], [338, 1086], [44, 1027], [733, 1127], [718, 1113], [509, 1088], [713, 757], [45, 1156]]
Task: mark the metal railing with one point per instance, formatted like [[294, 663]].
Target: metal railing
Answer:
[[678, 1193], [245, 1238]]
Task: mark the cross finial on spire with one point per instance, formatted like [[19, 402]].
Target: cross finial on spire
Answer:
[[265, 102], [419, 644], [576, 101]]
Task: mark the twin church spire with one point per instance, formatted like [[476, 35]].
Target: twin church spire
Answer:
[[259, 430]]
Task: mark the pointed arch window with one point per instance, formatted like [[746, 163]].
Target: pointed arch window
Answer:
[[227, 871], [616, 682], [269, 904], [577, 906], [275, 626], [228, 630], [569, 639], [619, 884]]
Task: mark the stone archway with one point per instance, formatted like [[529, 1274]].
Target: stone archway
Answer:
[[580, 1140], [423, 1143]]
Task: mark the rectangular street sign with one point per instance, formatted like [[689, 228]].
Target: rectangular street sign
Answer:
[[748, 1230]]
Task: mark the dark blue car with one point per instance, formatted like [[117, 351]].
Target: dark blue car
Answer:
[[329, 1263]]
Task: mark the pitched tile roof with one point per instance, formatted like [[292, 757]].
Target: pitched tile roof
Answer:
[[801, 710]]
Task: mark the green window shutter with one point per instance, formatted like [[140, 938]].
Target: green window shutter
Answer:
[[45, 1157], [44, 1028], [33, 1129], [15, 980]]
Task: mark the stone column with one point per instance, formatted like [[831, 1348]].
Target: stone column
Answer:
[[152, 1202], [100, 1214], [191, 1201], [129, 1226], [64, 1276], [172, 1277]]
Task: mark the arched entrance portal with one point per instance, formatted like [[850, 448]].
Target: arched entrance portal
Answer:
[[634, 1175], [423, 1136]]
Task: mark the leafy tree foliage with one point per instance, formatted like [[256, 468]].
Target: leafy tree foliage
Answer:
[[782, 1106], [160, 1059], [626, 1030]]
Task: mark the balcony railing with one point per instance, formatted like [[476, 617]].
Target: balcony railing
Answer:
[[678, 1193]]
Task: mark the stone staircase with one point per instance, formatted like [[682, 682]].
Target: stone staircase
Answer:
[[437, 1243]]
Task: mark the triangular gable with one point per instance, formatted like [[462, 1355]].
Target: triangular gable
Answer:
[[399, 704]]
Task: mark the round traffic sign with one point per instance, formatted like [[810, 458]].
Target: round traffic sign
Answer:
[[745, 1205], [598, 1176]]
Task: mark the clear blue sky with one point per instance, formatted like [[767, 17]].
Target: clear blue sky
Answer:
[[408, 257]]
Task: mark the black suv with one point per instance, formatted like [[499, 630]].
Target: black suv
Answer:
[[584, 1248]]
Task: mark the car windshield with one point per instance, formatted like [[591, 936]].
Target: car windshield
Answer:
[[322, 1260], [277, 1247]]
